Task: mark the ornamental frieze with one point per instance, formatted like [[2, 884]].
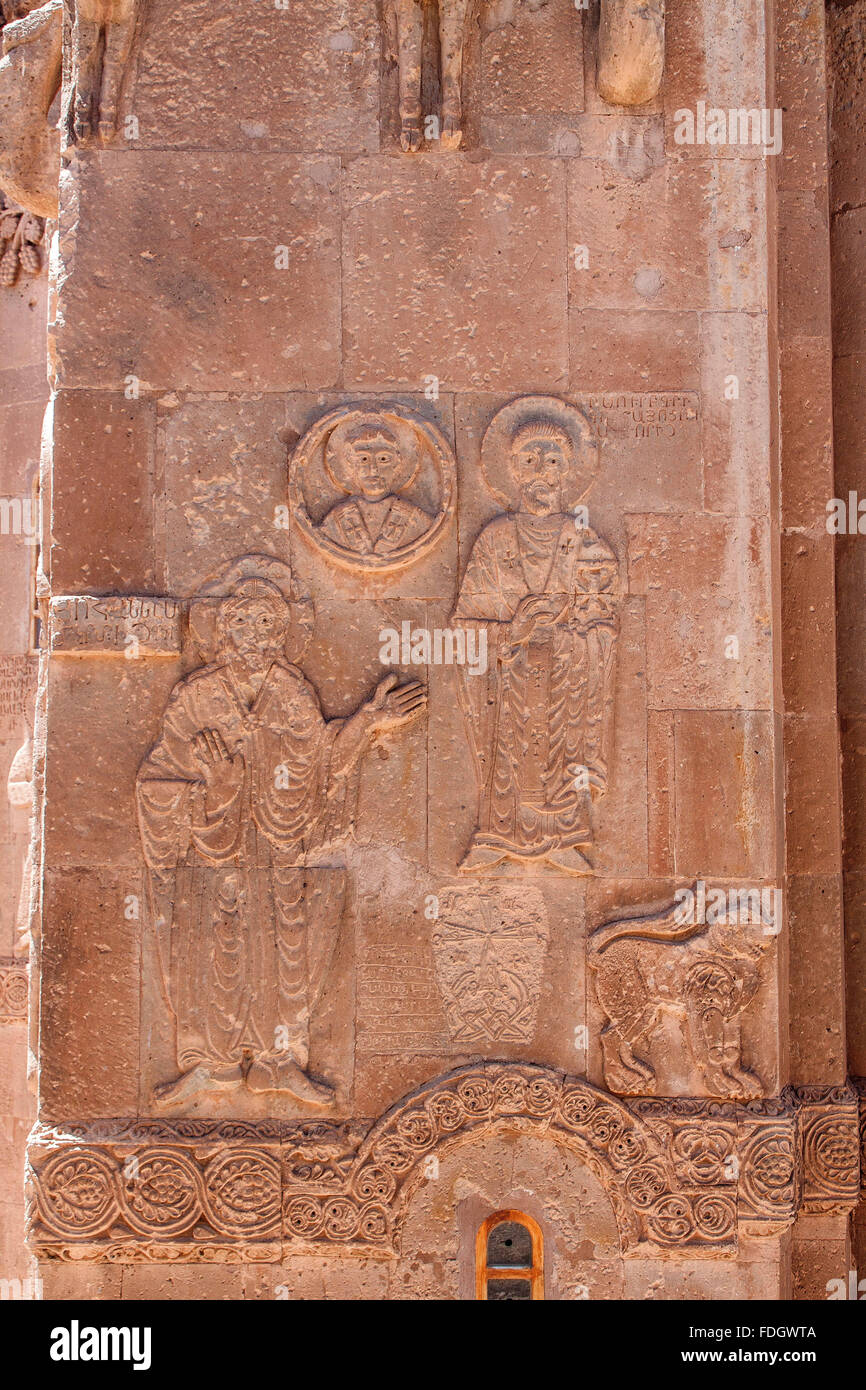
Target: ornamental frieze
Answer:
[[682, 1175]]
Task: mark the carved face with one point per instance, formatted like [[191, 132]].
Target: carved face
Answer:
[[372, 464], [539, 466], [255, 628]]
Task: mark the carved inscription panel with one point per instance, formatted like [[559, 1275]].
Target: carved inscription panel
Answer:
[[126, 625]]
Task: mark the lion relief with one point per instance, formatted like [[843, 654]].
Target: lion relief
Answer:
[[702, 974]]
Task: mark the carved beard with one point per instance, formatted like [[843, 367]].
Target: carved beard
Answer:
[[540, 500], [256, 658]]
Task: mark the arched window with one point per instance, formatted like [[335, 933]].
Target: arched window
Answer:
[[509, 1258]]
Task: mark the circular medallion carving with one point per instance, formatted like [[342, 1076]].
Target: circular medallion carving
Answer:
[[372, 488], [243, 1192], [78, 1192], [163, 1192]]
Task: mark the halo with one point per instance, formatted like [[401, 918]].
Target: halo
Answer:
[[314, 469], [277, 575], [551, 410], [373, 424]]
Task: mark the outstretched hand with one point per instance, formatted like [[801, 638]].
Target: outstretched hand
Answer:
[[394, 706]]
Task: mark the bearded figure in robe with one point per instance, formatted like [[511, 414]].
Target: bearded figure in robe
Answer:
[[374, 519], [544, 586], [246, 781]]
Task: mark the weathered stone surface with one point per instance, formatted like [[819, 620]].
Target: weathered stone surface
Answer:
[[433, 593], [422, 244], [297, 81], [156, 286]]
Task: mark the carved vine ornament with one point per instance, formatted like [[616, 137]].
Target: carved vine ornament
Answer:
[[682, 1176], [245, 803]]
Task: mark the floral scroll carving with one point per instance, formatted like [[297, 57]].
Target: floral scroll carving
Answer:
[[680, 1175], [830, 1144]]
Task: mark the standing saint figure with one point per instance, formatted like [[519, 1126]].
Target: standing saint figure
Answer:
[[247, 779], [368, 463], [543, 585], [452, 16]]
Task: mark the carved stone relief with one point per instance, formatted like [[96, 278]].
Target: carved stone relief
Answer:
[[490, 945], [452, 29], [198, 1190], [101, 36], [684, 1176], [544, 589], [30, 73], [631, 50], [13, 991], [19, 790], [427, 40], [21, 237], [830, 1144], [702, 975], [239, 802], [408, 21], [373, 489]]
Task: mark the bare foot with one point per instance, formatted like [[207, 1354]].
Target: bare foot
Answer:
[[569, 859], [481, 859], [411, 134], [452, 132], [287, 1076], [192, 1085]]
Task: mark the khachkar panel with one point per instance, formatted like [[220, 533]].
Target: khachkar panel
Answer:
[[490, 948], [683, 1177]]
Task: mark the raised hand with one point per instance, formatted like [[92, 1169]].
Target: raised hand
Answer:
[[222, 772], [535, 611]]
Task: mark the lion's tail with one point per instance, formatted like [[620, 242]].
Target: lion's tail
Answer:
[[660, 926]]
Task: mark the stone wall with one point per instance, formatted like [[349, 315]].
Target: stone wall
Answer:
[[438, 622]]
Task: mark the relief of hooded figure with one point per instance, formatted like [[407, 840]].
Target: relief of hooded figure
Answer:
[[246, 779]]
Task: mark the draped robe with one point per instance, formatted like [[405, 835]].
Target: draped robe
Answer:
[[402, 524], [247, 930], [543, 710]]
